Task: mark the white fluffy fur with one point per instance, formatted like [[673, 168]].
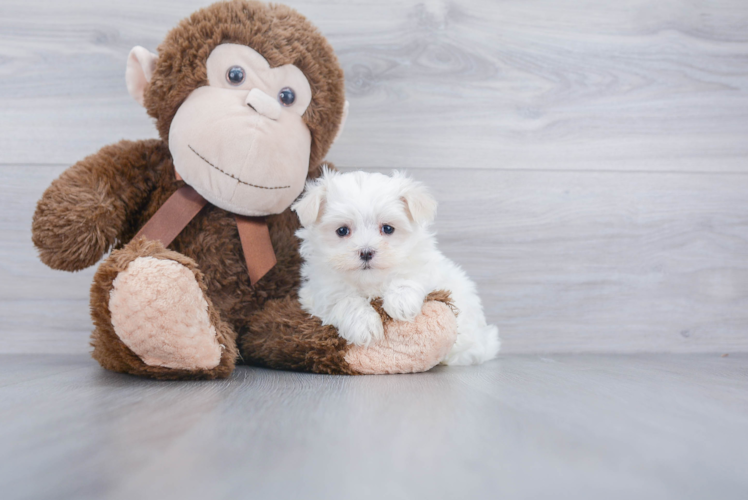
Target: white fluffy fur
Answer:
[[337, 285]]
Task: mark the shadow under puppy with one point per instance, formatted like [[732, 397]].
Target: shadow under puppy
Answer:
[[367, 235]]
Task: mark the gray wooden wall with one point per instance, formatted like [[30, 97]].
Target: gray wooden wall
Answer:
[[590, 158]]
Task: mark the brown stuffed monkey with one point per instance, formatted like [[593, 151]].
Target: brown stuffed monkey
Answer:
[[247, 99]]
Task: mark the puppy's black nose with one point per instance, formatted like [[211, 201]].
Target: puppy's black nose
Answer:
[[366, 254]]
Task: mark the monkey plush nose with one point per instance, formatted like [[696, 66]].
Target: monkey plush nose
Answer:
[[366, 254], [263, 104]]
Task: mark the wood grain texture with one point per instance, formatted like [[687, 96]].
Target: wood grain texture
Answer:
[[582, 427], [564, 261], [618, 262], [590, 158], [544, 84]]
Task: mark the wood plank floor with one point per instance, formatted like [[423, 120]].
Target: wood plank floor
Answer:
[[559, 426], [591, 164]]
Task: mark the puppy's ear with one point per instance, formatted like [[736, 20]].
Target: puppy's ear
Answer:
[[419, 204], [309, 206]]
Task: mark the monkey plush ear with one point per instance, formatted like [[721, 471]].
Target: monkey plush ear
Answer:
[[309, 207], [342, 121], [419, 203], [140, 66]]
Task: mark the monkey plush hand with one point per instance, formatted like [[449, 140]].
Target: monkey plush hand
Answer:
[[247, 99]]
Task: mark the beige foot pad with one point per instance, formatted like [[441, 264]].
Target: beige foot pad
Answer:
[[409, 347], [160, 313]]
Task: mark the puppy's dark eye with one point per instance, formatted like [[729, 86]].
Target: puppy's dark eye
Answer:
[[235, 75], [286, 96], [343, 231], [387, 229]]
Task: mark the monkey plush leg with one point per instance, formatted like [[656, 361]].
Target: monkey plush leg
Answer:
[[409, 347], [284, 336], [153, 317]]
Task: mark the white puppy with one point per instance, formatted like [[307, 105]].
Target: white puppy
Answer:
[[366, 235]]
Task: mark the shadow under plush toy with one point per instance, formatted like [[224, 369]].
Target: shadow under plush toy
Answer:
[[248, 99]]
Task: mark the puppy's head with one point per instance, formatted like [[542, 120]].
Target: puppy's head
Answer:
[[363, 222]]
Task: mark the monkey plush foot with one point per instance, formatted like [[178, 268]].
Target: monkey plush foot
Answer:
[[160, 313], [284, 336], [409, 347], [153, 317]]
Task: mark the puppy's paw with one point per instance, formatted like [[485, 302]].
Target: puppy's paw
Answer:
[[403, 300], [362, 326]]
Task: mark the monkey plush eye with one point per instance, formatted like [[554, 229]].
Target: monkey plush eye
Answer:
[[286, 96], [235, 75], [343, 231], [387, 229]]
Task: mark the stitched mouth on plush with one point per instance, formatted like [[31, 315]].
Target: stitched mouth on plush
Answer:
[[233, 176]]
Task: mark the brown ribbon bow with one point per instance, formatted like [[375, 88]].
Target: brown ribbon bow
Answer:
[[186, 203]]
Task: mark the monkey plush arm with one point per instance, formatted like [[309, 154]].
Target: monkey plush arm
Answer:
[[86, 210]]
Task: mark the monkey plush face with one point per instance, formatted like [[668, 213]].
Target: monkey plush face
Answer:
[[240, 141], [249, 98]]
